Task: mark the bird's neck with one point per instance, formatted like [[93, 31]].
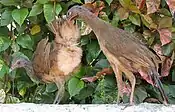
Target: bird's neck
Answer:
[[91, 19], [30, 71]]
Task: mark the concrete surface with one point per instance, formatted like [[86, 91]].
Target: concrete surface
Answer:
[[29, 107]]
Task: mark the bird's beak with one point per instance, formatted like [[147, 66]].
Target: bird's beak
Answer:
[[71, 17]]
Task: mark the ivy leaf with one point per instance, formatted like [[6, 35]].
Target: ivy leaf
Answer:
[[6, 18], [19, 15], [74, 86], [36, 10], [25, 41], [48, 12], [4, 43]]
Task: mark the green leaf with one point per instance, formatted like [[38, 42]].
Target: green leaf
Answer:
[[11, 99], [19, 15], [165, 22], [77, 1], [4, 43], [140, 94], [135, 19], [25, 41], [109, 1], [36, 10], [85, 92], [3, 69], [2, 96], [35, 29], [6, 18], [80, 73], [48, 12], [74, 86], [115, 19], [84, 40], [165, 12], [58, 8], [129, 5], [102, 63], [51, 87], [8, 2], [93, 50], [42, 1], [168, 49]]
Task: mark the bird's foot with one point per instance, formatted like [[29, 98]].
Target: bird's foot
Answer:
[[103, 72], [127, 105]]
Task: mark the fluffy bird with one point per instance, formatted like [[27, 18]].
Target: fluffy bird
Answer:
[[125, 52], [57, 63]]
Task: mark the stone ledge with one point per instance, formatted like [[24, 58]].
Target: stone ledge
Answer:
[[30, 107]]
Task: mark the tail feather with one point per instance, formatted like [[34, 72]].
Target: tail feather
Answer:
[[159, 86]]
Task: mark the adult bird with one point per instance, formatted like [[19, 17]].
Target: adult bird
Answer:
[[125, 52], [54, 63]]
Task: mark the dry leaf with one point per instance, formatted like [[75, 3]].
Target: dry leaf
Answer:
[[123, 13], [165, 35], [166, 66], [166, 61], [152, 6], [140, 3]]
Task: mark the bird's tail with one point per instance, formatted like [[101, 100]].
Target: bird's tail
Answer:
[[159, 86]]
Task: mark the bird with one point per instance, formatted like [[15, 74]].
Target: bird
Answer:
[[125, 53], [54, 62]]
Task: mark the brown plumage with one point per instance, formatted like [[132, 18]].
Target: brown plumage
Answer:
[[55, 63], [123, 50]]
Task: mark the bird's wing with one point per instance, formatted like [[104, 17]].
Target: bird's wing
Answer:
[[41, 62], [127, 48]]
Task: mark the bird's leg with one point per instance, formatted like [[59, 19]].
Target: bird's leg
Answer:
[[118, 75], [132, 80], [60, 93], [103, 72]]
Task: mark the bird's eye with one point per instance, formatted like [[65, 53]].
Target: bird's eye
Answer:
[[69, 13], [18, 62]]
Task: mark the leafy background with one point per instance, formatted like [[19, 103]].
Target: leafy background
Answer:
[[24, 22]]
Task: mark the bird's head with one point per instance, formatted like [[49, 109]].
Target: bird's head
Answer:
[[19, 61], [75, 11]]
